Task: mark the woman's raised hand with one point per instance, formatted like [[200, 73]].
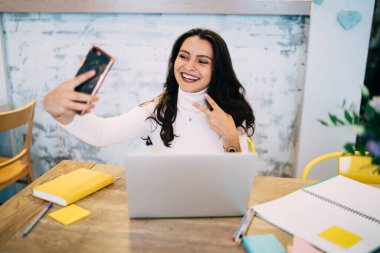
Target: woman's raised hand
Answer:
[[63, 102], [220, 122]]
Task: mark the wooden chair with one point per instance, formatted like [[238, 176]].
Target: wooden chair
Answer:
[[15, 168], [355, 166]]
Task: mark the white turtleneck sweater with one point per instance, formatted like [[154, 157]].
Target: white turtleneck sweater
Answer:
[[191, 127]]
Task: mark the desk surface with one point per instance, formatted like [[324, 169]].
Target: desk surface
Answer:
[[109, 228]]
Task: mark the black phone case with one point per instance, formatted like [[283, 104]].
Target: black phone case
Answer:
[[97, 60]]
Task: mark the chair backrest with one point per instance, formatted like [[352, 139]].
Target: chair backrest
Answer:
[[251, 147], [357, 167], [18, 117], [14, 168]]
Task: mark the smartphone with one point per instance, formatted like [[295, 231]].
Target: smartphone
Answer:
[[99, 61]]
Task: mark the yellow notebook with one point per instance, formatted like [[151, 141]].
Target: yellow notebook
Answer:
[[73, 186]]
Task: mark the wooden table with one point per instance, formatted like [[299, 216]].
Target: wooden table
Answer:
[[109, 228]]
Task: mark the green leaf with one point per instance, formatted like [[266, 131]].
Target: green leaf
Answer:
[[356, 118], [361, 146], [365, 91], [352, 107], [369, 112], [358, 129], [361, 149], [349, 148], [335, 120], [323, 122], [348, 117]]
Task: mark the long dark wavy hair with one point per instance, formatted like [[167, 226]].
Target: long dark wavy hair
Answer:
[[224, 88]]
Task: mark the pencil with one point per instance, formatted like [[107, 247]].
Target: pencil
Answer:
[[243, 226], [36, 220]]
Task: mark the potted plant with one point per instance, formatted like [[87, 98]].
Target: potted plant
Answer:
[[366, 126]]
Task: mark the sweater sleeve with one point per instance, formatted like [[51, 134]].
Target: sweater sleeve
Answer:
[[98, 131], [243, 143]]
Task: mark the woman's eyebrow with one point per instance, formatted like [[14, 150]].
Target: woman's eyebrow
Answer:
[[199, 55], [204, 56]]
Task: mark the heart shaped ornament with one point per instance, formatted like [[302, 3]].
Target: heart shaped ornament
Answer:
[[348, 19]]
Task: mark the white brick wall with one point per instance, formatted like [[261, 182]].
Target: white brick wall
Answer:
[[268, 52]]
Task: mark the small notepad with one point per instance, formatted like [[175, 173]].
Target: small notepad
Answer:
[[70, 214], [262, 244]]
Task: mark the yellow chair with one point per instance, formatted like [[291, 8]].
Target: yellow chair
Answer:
[[251, 147], [15, 168], [355, 166]]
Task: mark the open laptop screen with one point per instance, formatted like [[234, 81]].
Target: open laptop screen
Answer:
[[189, 185]]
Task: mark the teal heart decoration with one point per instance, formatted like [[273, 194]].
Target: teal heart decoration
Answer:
[[349, 19], [319, 2]]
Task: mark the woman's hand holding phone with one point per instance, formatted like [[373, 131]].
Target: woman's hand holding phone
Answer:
[[78, 94], [64, 102]]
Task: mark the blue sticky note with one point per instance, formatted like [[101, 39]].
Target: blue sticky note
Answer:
[[262, 244]]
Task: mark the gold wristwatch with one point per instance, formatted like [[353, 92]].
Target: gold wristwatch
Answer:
[[231, 149]]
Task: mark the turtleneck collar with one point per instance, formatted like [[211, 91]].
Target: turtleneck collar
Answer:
[[185, 99]]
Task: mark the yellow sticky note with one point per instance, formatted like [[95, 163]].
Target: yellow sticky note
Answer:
[[340, 236], [70, 214]]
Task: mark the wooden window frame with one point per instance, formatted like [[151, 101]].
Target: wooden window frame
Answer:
[[257, 7]]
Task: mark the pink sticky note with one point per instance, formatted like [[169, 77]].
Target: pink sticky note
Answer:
[[301, 246], [289, 249]]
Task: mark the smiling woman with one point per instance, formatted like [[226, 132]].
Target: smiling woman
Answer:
[[193, 66], [200, 84]]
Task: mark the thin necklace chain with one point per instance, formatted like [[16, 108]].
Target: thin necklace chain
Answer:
[[187, 118]]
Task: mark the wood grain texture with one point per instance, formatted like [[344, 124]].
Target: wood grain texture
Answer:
[[273, 7], [17, 213], [109, 228]]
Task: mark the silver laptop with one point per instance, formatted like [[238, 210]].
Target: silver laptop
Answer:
[[168, 186]]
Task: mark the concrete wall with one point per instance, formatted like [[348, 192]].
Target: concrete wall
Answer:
[[3, 69], [268, 52]]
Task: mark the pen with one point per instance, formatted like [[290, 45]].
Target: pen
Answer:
[[243, 226], [35, 221]]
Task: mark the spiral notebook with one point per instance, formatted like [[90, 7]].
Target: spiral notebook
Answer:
[[338, 215]]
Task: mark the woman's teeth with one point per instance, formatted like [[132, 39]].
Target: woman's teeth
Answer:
[[189, 77]]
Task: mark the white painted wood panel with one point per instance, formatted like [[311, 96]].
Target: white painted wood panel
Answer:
[[275, 7], [335, 70]]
